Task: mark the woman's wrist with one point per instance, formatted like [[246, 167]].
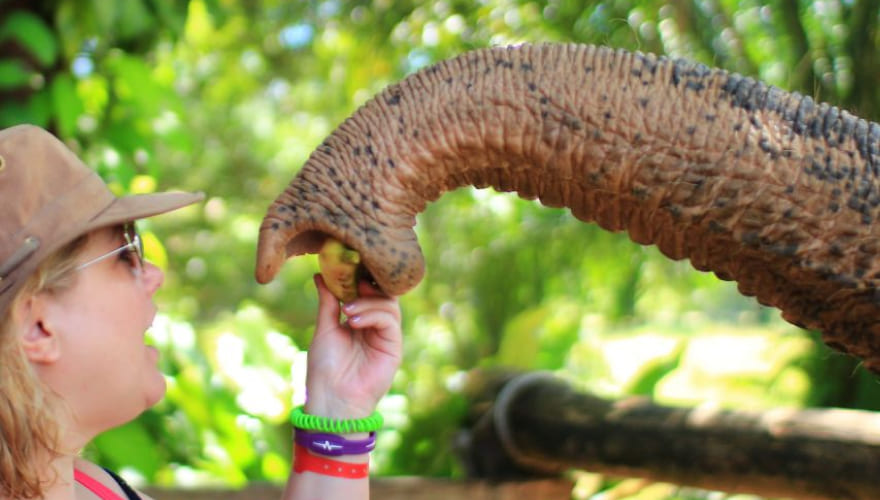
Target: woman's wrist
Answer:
[[334, 408]]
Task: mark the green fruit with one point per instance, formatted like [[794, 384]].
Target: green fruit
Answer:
[[339, 268]]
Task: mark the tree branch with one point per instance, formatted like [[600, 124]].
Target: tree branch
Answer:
[[861, 47]]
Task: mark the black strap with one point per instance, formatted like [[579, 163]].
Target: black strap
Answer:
[[129, 492]]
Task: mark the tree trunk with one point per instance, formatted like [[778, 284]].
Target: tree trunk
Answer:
[[543, 424]]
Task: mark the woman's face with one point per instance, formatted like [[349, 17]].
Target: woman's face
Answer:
[[105, 372]]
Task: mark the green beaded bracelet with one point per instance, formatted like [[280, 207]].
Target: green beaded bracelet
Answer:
[[307, 422]]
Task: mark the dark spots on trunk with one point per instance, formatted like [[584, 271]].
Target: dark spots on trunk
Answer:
[[643, 102], [525, 67], [390, 163], [571, 122], [716, 227], [544, 100], [833, 207], [694, 85], [394, 100], [588, 70], [830, 122], [834, 127], [691, 130], [835, 250], [737, 127], [647, 63], [789, 189], [751, 238], [356, 151], [276, 226], [784, 249], [532, 87], [806, 109], [692, 74], [767, 147], [742, 91], [607, 115], [504, 64], [789, 212]]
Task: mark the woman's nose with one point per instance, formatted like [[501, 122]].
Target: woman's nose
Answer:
[[153, 277]]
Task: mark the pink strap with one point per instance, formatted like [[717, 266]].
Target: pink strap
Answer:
[[95, 486]]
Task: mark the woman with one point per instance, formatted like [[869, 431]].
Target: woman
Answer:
[[76, 297]]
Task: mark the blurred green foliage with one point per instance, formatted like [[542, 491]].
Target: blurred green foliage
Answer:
[[230, 97]]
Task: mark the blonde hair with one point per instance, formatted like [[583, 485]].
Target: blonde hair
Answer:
[[28, 427]]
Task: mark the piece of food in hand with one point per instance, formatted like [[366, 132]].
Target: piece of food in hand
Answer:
[[339, 268]]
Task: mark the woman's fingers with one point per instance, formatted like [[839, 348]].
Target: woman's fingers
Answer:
[[328, 306]]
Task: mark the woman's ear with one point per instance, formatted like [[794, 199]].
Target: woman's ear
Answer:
[[39, 338]]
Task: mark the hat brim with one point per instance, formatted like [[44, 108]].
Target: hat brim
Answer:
[[139, 206]]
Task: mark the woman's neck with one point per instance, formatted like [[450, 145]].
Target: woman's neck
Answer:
[[58, 473]]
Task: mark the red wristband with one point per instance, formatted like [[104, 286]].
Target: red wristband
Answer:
[[303, 461]]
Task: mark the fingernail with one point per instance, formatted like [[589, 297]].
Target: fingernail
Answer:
[[348, 307], [354, 319]]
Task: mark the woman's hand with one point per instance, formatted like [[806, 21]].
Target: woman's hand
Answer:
[[352, 362]]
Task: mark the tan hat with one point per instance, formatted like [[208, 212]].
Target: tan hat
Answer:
[[49, 197]]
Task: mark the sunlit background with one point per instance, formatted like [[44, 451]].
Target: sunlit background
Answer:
[[230, 97]]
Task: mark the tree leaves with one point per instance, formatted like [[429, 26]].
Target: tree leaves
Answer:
[[32, 34]]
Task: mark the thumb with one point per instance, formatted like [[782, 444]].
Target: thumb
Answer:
[[328, 305]]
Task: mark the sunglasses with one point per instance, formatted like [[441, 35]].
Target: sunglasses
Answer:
[[132, 251]]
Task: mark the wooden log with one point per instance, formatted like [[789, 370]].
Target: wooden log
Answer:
[[543, 424], [399, 488]]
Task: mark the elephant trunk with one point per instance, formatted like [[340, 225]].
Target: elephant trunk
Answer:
[[760, 186]]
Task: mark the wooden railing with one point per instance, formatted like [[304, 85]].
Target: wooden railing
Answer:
[[406, 488]]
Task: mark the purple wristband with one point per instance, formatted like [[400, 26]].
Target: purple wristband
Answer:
[[332, 444]]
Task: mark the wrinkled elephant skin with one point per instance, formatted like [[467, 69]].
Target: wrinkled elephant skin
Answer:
[[757, 185]]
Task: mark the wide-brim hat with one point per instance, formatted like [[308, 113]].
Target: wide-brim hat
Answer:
[[49, 197]]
